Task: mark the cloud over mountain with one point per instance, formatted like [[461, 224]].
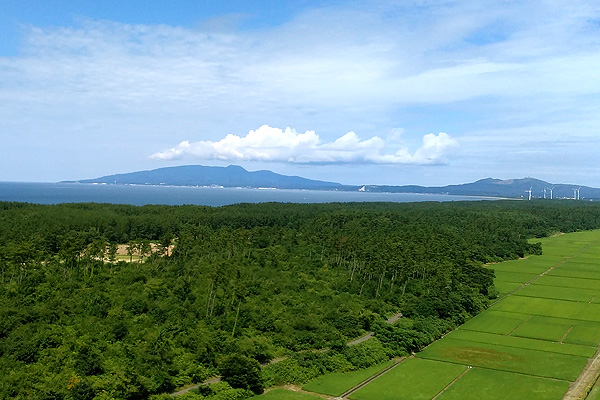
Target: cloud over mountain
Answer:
[[273, 144]]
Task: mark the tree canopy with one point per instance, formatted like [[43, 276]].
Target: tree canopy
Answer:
[[242, 285]]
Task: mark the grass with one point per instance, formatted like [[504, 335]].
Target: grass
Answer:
[[498, 385], [284, 394], [517, 277], [549, 307], [580, 264], [505, 358], [584, 335], [524, 343], [414, 379], [555, 292], [541, 328], [505, 287], [576, 273], [533, 265], [582, 271], [564, 281], [337, 383], [493, 321]]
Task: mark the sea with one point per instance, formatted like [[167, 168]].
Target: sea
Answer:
[[56, 193]]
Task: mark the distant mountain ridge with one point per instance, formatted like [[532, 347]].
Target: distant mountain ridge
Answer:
[[513, 188], [199, 175], [236, 176]]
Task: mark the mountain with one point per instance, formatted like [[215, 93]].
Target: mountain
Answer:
[[198, 175], [513, 188], [236, 176]]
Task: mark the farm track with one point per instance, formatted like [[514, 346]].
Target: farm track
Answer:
[[187, 389], [369, 335], [361, 339], [579, 389]]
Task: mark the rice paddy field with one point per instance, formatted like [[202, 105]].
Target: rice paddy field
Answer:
[[283, 394], [336, 384], [532, 343]]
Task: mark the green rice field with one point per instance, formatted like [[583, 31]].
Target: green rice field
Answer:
[[561, 293], [505, 358], [532, 343], [337, 383], [516, 277], [549, 307], [419, 372], [284, 394], [524, 343], [492, 384], [504, 288]]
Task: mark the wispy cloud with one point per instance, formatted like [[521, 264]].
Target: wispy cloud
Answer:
[[367, 67], [274, 144], [328, 57]]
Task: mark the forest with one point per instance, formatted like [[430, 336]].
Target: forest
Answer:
[[260, 294]]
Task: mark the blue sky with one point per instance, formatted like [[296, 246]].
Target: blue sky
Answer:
[[380, 92]]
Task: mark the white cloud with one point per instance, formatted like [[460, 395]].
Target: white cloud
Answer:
[[274, 144], [325, 58]]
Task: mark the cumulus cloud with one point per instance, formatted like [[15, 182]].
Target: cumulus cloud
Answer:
[[273, 144]]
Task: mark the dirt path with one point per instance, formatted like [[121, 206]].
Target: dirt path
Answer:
[[391, 320], [361, 339], [206, 382], [394, 318], [579, 389]]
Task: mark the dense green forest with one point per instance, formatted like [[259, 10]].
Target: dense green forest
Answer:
[[240, 286]]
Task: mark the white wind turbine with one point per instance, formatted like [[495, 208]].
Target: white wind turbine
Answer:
[[551, 189], [529, 191]]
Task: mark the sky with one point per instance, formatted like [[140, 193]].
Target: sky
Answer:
[[427, 92]]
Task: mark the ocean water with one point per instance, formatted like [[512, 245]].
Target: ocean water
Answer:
[[55, 193]]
